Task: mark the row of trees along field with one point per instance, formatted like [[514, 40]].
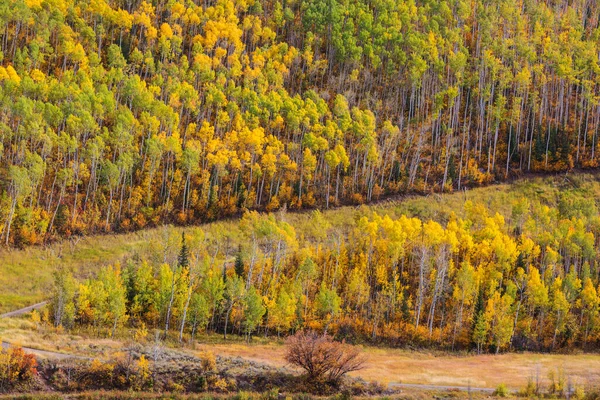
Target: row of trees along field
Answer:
[[121, 114], [473, 283]]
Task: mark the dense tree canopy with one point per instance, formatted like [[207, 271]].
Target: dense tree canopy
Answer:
[[115, 115], [526, 280]]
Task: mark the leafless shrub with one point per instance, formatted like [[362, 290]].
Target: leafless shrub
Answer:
[[323, 359]]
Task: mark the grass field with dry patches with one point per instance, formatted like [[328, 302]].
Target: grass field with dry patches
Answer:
[[486, 371], [383, 365]]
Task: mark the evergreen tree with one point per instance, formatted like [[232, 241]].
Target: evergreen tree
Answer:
[[183, 259], [480, 331], [239, 264], [479, 308]]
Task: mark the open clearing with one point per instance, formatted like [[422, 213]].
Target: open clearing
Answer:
[[383, 364], [402, 366]]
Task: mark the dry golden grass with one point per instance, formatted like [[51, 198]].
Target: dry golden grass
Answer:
[[129, 395], [481, 371], [383, 365], [20, 332], [486, 371]]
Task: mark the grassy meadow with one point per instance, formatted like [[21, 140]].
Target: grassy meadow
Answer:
[[384, 365], [387, 366]]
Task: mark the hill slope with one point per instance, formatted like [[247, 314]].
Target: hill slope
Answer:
[[117, 115], [496, 268]]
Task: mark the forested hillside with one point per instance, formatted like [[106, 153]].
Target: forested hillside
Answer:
[[116, 115], [523, 278]]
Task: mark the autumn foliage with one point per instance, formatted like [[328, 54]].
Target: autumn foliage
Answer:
[[16, 368], [526, 279], [118, 115]]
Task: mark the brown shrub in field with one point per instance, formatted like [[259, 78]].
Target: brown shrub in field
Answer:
[[323, 359]]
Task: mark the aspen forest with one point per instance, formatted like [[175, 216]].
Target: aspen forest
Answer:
[[279, 197], [527, 281], [118, 115]]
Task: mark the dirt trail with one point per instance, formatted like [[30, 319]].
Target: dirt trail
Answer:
[[45, 353], [24, 310], [440, 387]]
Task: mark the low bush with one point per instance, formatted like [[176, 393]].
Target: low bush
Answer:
[[502, 391], [530, 390], [16, 368], [324, 360]]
